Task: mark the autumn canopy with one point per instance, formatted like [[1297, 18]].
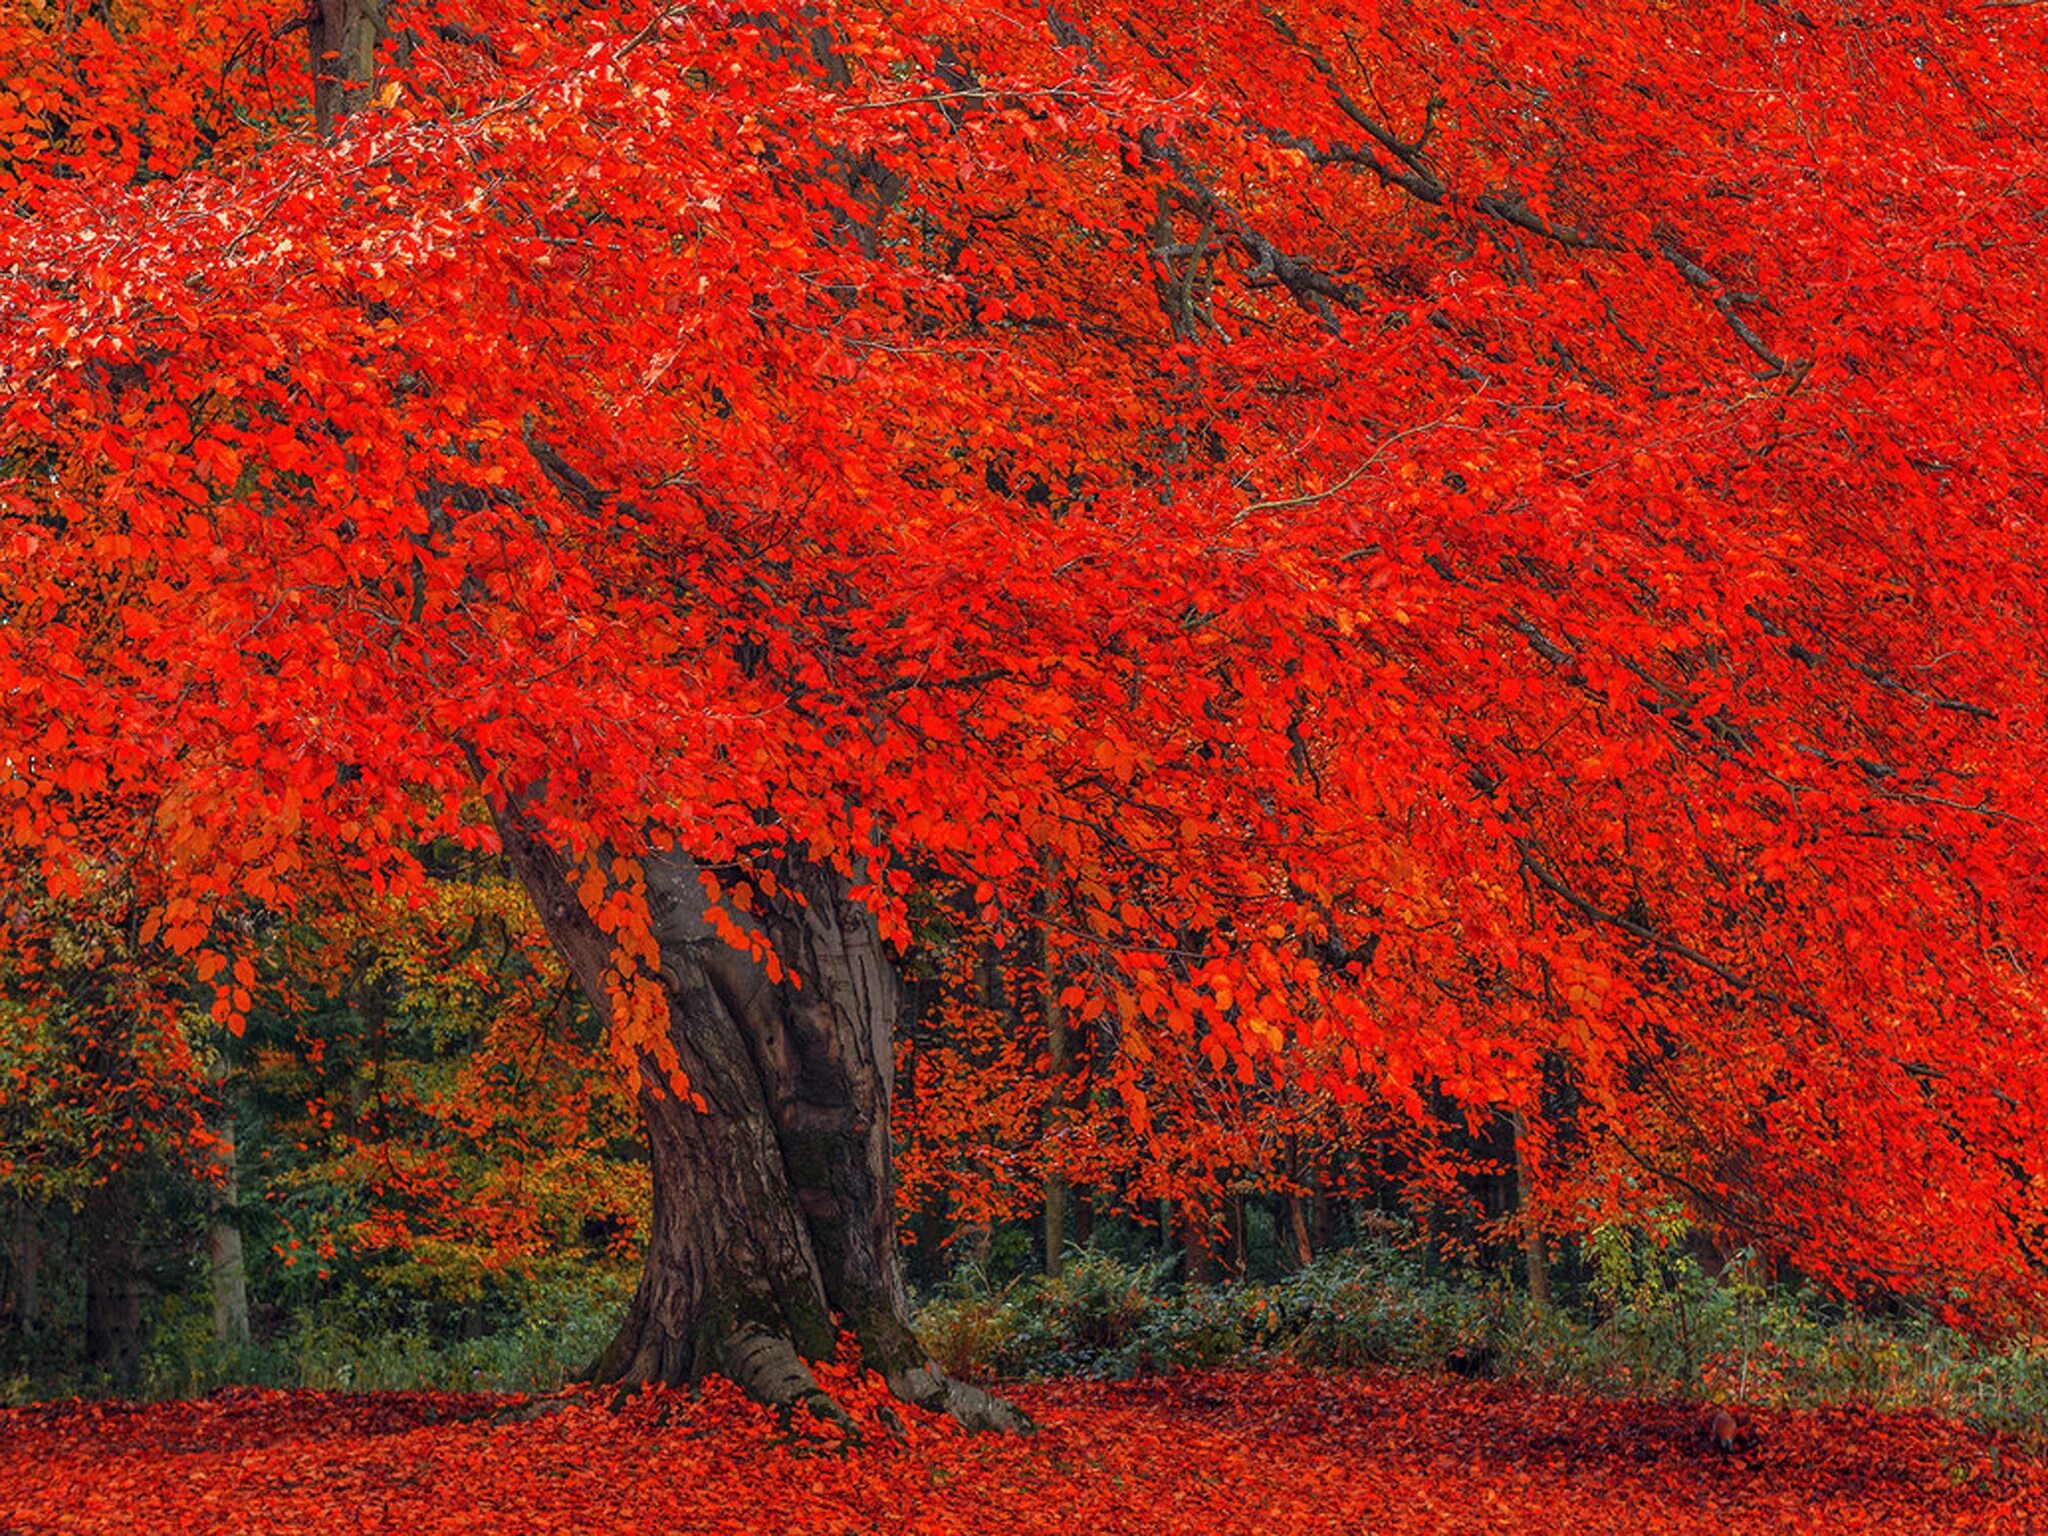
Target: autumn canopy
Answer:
[[1490, 553]]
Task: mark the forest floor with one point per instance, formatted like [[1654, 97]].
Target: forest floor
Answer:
[[1271, 1452]]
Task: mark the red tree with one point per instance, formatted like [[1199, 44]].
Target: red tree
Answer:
[[1425, 548]]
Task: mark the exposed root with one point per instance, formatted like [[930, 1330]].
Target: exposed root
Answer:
[[537, 1408], [926, 1386], [768, 1369]]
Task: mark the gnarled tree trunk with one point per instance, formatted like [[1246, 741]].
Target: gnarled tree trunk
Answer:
[[774, 1204]]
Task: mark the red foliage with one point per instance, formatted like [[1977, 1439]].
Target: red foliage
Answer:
[[1433, 552], [1255, 1453]]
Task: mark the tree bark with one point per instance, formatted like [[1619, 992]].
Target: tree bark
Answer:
[[1198, 1242], [1056, 1060], [225, 1264], [1297, 1209], [1535, 1252], [774, 1203], [113, 1282], [342, 36], [22, 1298], [1322, 1215]]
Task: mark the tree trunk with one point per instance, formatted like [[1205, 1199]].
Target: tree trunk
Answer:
[[1297, 1210], [113, 1283], [1535, 1253], [1056, 1062], [1198, 1242], [1322, 1212], [224, 1244], [1055, 1222], [22, 1300], [774, 1203], [343, 36]]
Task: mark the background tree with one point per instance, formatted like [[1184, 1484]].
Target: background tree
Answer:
[[104, 1120]]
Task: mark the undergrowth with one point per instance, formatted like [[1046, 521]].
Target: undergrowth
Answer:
[[1643, 1320], [543, 1333], [1649, 1323]]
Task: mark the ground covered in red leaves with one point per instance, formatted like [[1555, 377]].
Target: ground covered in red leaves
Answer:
[[1269, 1452]]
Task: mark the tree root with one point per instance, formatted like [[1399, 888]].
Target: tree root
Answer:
[[768, 1369], [535, 1408], [926, 1386]]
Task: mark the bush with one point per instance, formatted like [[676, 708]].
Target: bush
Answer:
[[541, 1330], [1374, 1304], [1106, 1317], [1085, 1321], [1649, 1322]]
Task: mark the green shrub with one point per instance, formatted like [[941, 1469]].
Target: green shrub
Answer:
[[1103, 1316], [1374, 1304], [539, 1330], [1085, 1321], [1648, 1321]]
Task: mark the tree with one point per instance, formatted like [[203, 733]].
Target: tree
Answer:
[[1436, 551], [104, 1108]]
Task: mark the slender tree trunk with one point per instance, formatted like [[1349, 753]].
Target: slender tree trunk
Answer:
[[977, 1239], [774, 1202], [113, 1282], [1322, 1214], [23, 1299], [1200, 1246], [1056, 1062], [224, 1244], [1297, 1210], [1535, 1253]]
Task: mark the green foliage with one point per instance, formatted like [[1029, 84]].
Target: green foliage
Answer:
[[546, 1331], [439, 1181], [1072, 1323], [535, 1333], [1376, 1304], [1105, 1316], [1654, 1322], [1649, 1321]]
